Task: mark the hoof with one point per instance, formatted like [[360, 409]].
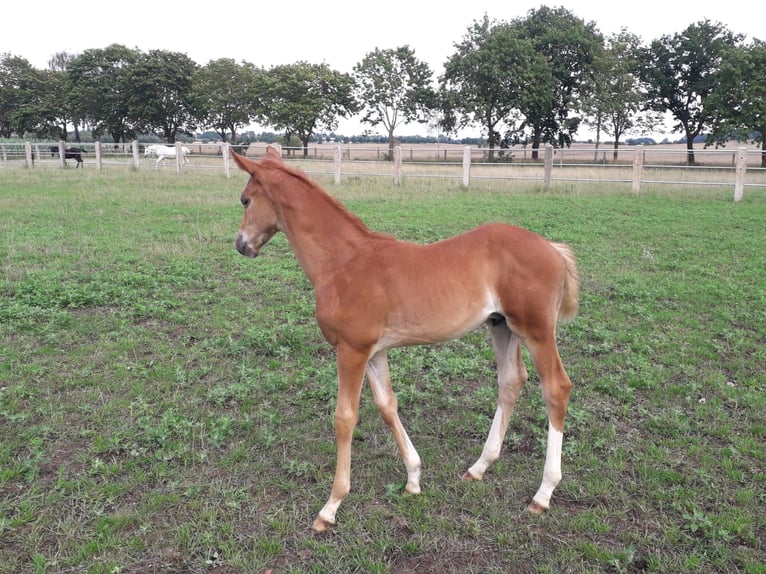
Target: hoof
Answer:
[[470, 478], [536, 508], [321, 525]]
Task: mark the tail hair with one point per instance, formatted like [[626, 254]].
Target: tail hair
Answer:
[[570, 300]]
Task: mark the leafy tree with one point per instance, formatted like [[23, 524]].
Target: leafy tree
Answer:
[[32, 100], [16, 86], [739, 103], [227, 96], [492, 74], [48, 109], [100, 89], [569, 46], [303, 98], [394, 88], [43, 105], [61, 110], [161, 93], [680, 72], [614, 103]]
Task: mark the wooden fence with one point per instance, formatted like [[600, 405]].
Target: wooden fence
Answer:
[[737, 169]]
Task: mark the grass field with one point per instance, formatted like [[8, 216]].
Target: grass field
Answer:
[[166, 404]]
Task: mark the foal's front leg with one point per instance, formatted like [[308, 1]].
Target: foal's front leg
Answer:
[[351, 365]]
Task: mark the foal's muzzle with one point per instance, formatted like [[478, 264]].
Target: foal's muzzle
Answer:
[[244, 247]]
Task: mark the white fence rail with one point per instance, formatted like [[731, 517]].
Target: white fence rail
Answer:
[[737, 169]]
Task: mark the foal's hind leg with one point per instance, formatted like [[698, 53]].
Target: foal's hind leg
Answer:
[[380, 383], [511, 376], [556, 387]]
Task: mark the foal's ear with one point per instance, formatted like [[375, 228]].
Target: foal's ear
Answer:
[[242, 162], [272, 152]]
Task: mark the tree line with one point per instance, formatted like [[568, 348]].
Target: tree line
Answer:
[[535, 80]]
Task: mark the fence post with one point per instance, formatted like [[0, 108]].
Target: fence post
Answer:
[[638, 166], [28, 154], [97, 150], [548, 166], [741, 169], [179, 156], [62, 153], [398, 165], [466, 165], [336, 156], [136, 160], [225, 156]]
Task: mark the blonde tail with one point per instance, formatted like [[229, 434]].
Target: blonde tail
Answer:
[[571, 298]]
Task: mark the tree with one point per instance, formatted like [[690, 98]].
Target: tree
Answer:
[[302, 98], [680, 72], [31, 100], [493, 73], [100, 89], [394, 88], [61, 109], [569, 47], [227, 96], [161, 93], [44, 105], [614, 102], [739, 103], [17, 81]]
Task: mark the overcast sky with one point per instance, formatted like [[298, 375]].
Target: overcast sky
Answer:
[[340, 34]]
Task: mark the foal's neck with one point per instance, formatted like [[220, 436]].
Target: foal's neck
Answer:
[[324, 235]]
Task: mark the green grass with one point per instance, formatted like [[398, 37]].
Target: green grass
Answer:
[[166, 404]]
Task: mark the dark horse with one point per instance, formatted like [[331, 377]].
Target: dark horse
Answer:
[[74, 153]]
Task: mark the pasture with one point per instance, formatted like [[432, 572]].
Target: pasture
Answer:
[[166, 405]]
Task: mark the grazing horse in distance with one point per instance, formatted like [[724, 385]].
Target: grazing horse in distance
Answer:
[[163, 151], [374, 293], [74, 153]]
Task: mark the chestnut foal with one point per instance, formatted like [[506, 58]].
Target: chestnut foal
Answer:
[[374, 292]]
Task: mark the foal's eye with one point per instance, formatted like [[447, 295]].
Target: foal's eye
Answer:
[[245, 201]]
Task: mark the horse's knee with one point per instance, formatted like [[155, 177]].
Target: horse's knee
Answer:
[[345, 421]]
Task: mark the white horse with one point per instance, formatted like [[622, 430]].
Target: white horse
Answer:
[[163, 151]]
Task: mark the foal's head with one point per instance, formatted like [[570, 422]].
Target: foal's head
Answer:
[[259, 223]]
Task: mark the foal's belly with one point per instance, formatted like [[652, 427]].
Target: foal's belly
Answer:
[[435, 321]]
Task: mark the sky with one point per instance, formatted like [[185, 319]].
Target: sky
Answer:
[[337, 33]]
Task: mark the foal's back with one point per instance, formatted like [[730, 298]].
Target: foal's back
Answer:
[[410, 293]]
